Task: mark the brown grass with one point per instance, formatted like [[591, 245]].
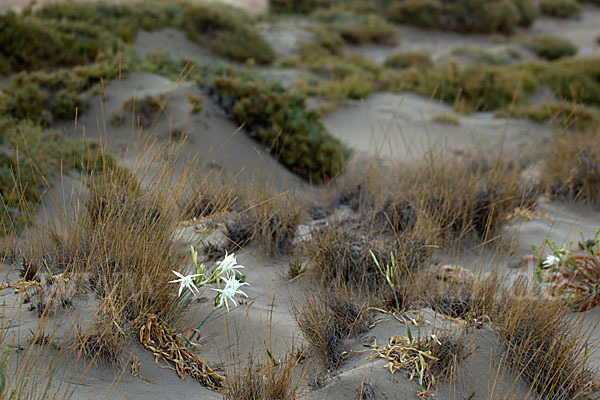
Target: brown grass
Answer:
[[571, 168], [328, 318]]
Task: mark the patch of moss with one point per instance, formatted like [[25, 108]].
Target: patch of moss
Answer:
[[560, 8], [551, 47], [228, 31], [279, 119]]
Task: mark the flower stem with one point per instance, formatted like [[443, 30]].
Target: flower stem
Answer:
[[189, 297], [201, 323]]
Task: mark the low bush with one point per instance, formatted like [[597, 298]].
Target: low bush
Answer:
[[228, 32], [369, 28], [28, 43], [566, 114], [551, 47], [576, 80], [418, 59], [279, 119], [298, 6], [471, 87], [560, 8], [44, 96], [465, 15], [424, 13], [123, 20]]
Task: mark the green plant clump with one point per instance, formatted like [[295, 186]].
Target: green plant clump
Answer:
[[29, 43], [551, 47], [44, 96], [124, 20], [418, 59], [228, 32], [31, 155], [466, 15], [298, 6], [470, 88], [279, 119], [560, 8]]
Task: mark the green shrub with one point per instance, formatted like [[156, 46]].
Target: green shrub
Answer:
[[551, 47], [560, 8], [528, 11], [425, 13], [469, 88], [298, 6], [370, 28], [576, 80], [279, 119], [228, 32], [28, 43], [482, 57], [42, 96], [465, 15], [418, 59], [566, 114], [124, 20], [327, 38]]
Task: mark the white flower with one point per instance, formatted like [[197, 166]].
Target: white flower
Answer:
[[550, 261], [186, 282], [228, 293], [228, 265]]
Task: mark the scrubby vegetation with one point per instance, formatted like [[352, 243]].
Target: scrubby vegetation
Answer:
[[551, 47], [466, 15], [31, 157], [228, 32], [572, 166], [560, 8], [369, 241], [419, 59], [279, 119]]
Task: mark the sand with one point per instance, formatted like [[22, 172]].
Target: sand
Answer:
[[388, 126]]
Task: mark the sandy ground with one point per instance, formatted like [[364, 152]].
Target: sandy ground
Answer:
[[253, 7], [383, 125]]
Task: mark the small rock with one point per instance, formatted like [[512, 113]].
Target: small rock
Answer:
[[455, 274]]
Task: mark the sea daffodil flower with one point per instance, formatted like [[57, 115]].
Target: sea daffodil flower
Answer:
[[186, 282], [550, 261], [228, 265], [228, 293]]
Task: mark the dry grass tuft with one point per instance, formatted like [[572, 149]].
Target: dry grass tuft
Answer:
[[548, 350], [271, 379], [328, 319], [572, 167]]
